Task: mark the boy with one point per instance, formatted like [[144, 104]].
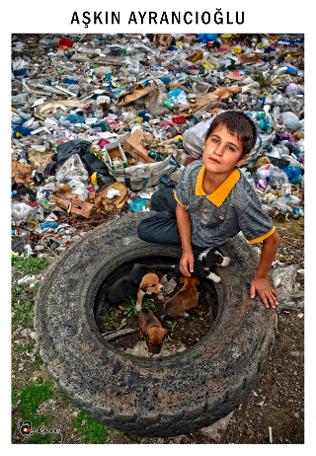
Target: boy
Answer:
[[214, 201]]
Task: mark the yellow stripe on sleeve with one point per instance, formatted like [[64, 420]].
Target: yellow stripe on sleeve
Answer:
[[177, 199], [263, 237]]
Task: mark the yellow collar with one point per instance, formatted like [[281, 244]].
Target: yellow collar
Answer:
[[221, 193]]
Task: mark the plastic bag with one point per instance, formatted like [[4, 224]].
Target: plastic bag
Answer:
[[270, 174], [78, 188], [291, 121], [21, 211], [290, 200], [193, 138], [44, 191], [72, 169], [294, 174], [139, 205], [177, 96], [284, 278], [144, 174]]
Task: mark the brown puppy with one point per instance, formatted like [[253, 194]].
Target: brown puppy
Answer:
[[185, 299], [152, 330], [149, 284]]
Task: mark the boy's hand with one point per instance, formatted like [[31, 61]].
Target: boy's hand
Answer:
[[267, 294], [187, 263]]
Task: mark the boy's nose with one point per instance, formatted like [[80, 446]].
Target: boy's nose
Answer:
[[219, 150]]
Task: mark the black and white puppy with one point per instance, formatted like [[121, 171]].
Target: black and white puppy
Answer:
[[205, 263]]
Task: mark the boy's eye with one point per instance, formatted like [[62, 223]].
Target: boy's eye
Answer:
[[214, 140]]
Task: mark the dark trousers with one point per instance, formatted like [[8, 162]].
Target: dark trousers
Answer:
[[162, 227]]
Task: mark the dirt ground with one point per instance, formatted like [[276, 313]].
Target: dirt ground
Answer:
[[277, 403]]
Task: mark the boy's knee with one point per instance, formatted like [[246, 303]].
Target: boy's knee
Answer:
[[142, 231]]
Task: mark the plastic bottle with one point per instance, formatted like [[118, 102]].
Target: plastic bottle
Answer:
[[179, 120], [168, 104], [155, 155]]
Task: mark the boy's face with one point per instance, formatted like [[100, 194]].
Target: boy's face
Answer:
[[222, 151]]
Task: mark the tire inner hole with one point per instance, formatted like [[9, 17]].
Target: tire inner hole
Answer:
[[182, 333]]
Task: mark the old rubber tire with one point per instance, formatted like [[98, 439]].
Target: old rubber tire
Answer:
[[153, 397]]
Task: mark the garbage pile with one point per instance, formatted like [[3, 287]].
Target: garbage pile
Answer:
[[100, 122]]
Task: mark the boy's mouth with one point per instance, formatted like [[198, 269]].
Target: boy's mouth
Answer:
[[214, 160]]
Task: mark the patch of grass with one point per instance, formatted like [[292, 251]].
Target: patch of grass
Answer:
[[21, 348], [22, 302], [109, 319], [149, 304], [31, 398], [23, 314], [92, 431], [38, 362], [20, 292], [29, 265], [130, 308]]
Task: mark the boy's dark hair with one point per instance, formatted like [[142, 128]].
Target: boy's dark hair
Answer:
[[239, 124]]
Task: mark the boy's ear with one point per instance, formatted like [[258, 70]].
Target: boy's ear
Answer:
[[242, 160]]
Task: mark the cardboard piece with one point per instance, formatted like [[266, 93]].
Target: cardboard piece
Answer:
[[21, 173], [106, 204], [39, 160], [138, 92], [74, 205], [135, 148], [208, 101], [114, 155], [83, 208]]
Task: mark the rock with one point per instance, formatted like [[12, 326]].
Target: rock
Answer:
[[26, 332], [170, 347], [216, 430], [295, 354], [169, 285], [285, 302], [27, 280]]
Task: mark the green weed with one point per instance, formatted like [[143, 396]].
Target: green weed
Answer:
[[92, 431], [149, 304], [23, 314], [31, 398], [21, 348], [130, 308], [29, 265], [22, 303]]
